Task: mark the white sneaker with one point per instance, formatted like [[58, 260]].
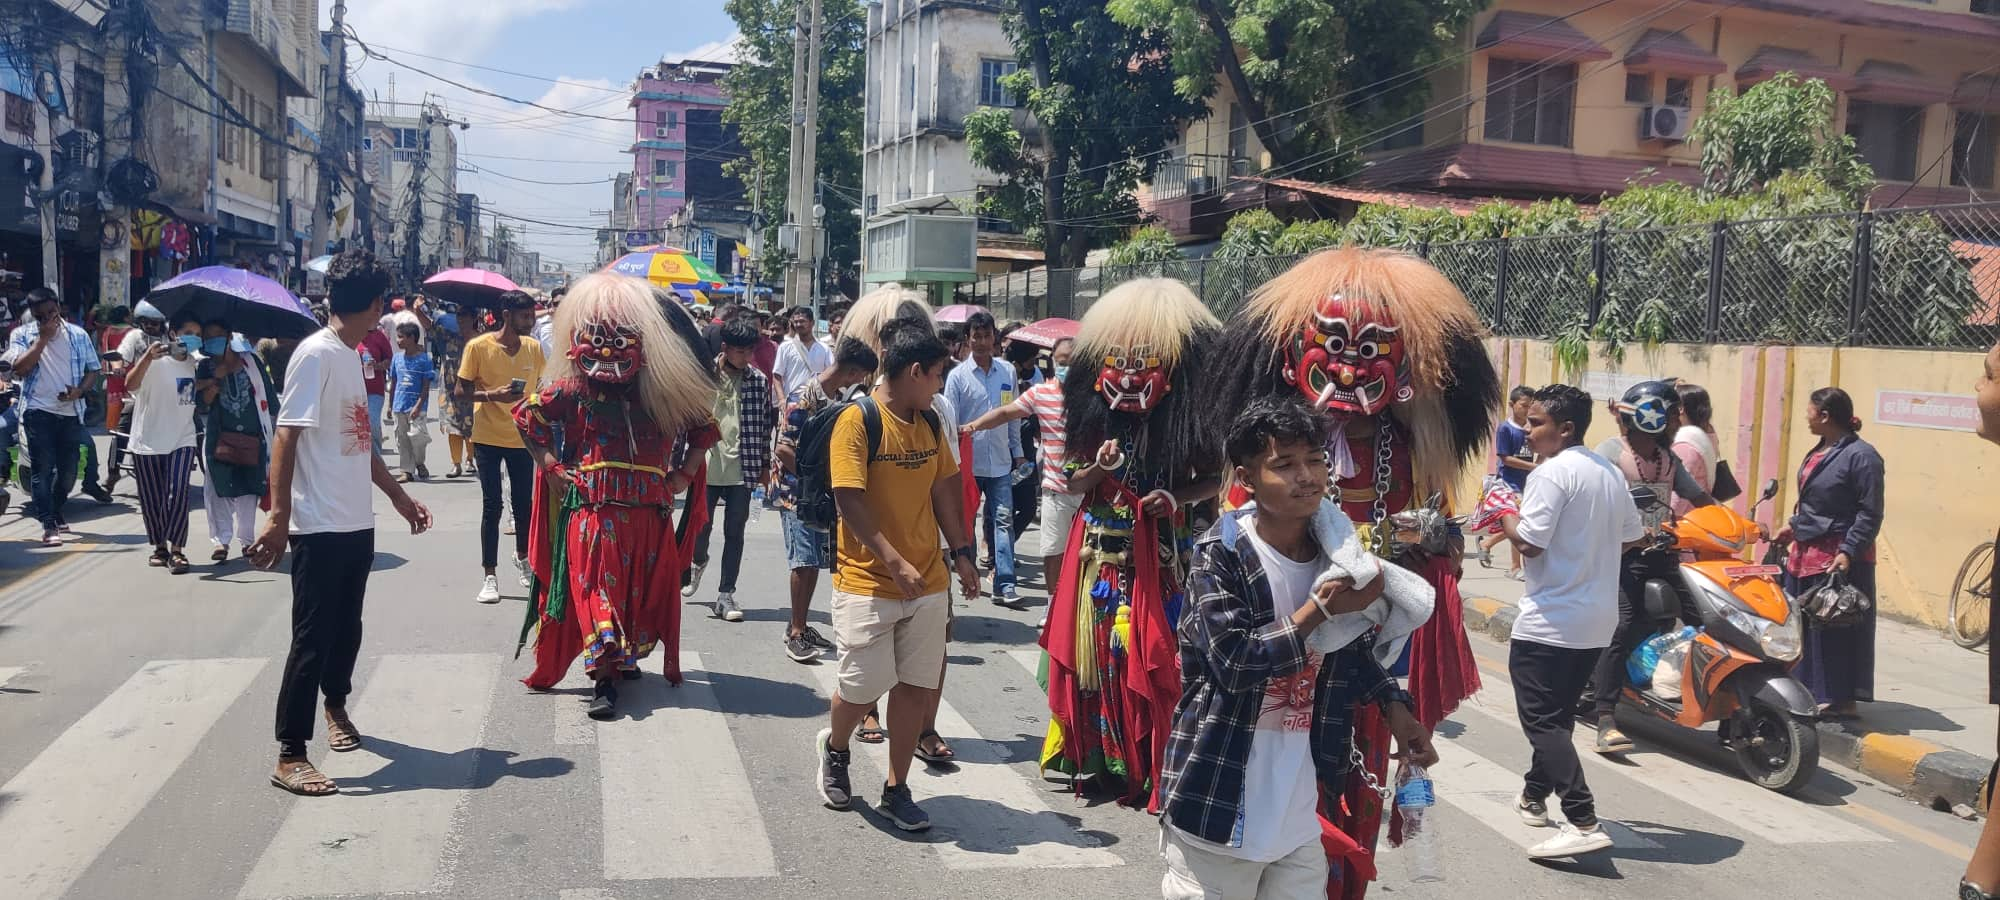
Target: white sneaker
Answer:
[[1571, 841], [1533, 812], [726, 608], [489, 590], [527, 577], [694, 581]]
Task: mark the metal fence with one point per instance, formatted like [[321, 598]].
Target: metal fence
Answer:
[[1917, 277]]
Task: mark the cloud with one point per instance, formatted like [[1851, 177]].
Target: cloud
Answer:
[[722, 51], [457, 30]]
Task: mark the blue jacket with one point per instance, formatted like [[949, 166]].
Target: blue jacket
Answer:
[[1842, 496]]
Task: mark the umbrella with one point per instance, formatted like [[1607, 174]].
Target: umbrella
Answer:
[[469, 287], [1046, 332], [957, 313], [247, 301], [320, 264], [690, 295], [666, 266]]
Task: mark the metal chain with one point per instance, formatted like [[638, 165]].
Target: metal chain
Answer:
[[1367, 777], [1385, 440]]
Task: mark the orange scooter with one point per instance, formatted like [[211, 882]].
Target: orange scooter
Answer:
[[1737, 671]]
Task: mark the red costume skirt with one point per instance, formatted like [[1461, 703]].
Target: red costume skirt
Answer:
[[623, 568]]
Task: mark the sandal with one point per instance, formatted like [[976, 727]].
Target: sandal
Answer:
[[221, 553], [177, 563], [304, 780], [341, 735], [158, 560], [942, 755], [867, 735]]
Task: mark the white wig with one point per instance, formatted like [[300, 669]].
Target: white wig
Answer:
[[673, 385]]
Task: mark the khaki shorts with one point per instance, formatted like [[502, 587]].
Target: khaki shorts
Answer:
[[1058, 512], [883, 642]]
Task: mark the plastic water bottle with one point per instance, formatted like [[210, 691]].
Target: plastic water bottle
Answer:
[[756, 504], [1414, 797]]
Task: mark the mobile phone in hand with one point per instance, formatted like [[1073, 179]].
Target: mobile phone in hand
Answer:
[[517, 386]]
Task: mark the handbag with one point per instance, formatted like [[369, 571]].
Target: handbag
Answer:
[[1725, 488], [1835, 603], [238, 449]]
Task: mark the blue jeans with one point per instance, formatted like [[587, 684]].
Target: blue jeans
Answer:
[[52, 452], [375, 421], [997, 523]]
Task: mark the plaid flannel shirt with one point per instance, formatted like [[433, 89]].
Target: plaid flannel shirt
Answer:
[[1232, 644], [756, 414], [82, 358]]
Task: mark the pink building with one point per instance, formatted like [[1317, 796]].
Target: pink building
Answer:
[[677, 106]]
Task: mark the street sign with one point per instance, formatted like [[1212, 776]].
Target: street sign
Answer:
[[1925, 409]]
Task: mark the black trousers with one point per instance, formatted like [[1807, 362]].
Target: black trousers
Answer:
[[520, 466], [1548, 682], [735, 500], [1637, 567], [329, 577]]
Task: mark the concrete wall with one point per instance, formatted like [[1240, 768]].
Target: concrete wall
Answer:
[[1943, 485]]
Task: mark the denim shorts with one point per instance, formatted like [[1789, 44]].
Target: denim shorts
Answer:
[[805, 548]]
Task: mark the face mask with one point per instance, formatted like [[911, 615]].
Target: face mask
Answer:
[[1062, 373], [189, 343], [214, 346]]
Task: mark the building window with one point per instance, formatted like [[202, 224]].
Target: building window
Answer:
[[409, 138], [87, 100], [1529, 104], [1986, 7], [1680, 92], [21, 115], [1639, 88], [271, 155], [231, 150], [991, 91], [1973, 140], [1886, 134]]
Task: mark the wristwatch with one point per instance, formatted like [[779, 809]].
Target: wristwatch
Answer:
[[965, 553], [1969, 891]]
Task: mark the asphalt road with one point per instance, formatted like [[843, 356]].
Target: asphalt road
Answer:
[[135, 740]]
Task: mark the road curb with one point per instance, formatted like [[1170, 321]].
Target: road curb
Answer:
[[1932, 774]]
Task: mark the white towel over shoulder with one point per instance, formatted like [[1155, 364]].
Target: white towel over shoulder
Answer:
[[1405, 605]]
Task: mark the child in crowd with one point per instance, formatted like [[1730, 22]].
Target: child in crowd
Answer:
[[414, 376]]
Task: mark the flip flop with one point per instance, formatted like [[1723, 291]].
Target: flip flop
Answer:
[[944, 755], [341, 735], [298, 780]]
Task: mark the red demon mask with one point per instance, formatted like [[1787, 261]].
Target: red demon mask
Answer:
[[608, 353], [1133, 381], [1352, 357]]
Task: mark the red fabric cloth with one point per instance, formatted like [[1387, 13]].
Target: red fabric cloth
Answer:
[[969, 487], [376, 352], [765, 356]]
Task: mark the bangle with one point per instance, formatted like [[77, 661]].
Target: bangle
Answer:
[[1119, 463]]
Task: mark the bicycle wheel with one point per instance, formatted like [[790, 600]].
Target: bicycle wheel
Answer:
[[1967, 618]]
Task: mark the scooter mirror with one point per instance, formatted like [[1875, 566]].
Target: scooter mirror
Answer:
[[1770, 489]]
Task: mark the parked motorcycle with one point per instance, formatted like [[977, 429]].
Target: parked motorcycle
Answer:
[[1737, 669]]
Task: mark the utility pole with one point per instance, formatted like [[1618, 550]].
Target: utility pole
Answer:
[[413, 238], [332, 91], [800, 284], [45, 131]]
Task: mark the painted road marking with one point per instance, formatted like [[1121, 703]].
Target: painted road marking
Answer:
[[70, 802], [984, 815], [1030, 660], [388, 829], [1486, 791], [673, 782], [7, 673]]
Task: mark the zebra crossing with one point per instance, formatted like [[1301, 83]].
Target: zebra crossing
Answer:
[[676, 799]]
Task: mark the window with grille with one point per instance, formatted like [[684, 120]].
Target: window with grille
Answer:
[[1972, 149], [1639, 88], [991, 91], [1680, 92], [1886, 134], [1528, 103], [271, 152]]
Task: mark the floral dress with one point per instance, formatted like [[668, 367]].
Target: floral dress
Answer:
[[241, 407], [455, 414]]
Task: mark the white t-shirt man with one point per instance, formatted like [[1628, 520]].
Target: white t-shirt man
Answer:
[[1578, 509], [1280, 811], [799, 362], [163, 407], [324, 395]]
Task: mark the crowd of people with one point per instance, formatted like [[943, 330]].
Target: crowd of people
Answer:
[[1252, 577]]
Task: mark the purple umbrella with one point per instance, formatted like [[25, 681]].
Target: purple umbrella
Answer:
[[243, 300]]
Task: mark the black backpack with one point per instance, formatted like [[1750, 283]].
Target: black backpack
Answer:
[[815, 507]]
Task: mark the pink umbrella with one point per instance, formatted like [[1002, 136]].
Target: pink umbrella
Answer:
[[1046, 332], [471, 287], [957, 313]]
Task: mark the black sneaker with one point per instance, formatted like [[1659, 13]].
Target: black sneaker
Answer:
[[902, 810], [97, 493], [816, 639], [800, 649], [603, 700], [833, 786]]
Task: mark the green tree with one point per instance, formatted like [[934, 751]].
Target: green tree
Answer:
[[1779, 126], [760, 105], [1102, 101], [1316, 78], [1151, 244]]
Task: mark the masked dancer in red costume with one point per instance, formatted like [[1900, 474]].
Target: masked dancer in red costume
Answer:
[[1388, 347], [1145, 468], [605, 434]]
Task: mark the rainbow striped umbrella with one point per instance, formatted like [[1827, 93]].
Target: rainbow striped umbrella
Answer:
[[667, 266]]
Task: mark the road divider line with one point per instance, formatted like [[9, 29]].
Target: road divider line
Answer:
[[72, 800], [7, 673], [984, 813], [1487, 791], [388, 830], [677, 799]]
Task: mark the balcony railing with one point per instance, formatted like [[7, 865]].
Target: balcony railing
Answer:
[[1195, 175]]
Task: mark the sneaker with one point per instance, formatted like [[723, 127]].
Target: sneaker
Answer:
[[726, 608], [65, 529], [97, 493], [50, 538], [694, 580], [816, 639], [603, 700], [1571, 841], [1610, 739], [897, 804], [527, 577], [800, 649], [833, 788], [1006, 596], [1534, 812], [423, 473], [489, 590]]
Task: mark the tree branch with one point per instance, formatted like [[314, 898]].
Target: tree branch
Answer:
[[1239, 83]]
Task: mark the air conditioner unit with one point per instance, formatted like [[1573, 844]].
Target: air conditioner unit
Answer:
[[1666, 123], [662, 131]]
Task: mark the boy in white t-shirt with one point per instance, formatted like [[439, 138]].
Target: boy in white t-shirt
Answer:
[[1264, 724], [324, 449], [1577, 517]]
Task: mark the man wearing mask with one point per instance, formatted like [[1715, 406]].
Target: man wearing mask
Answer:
[[56, 365], [151, 328]]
